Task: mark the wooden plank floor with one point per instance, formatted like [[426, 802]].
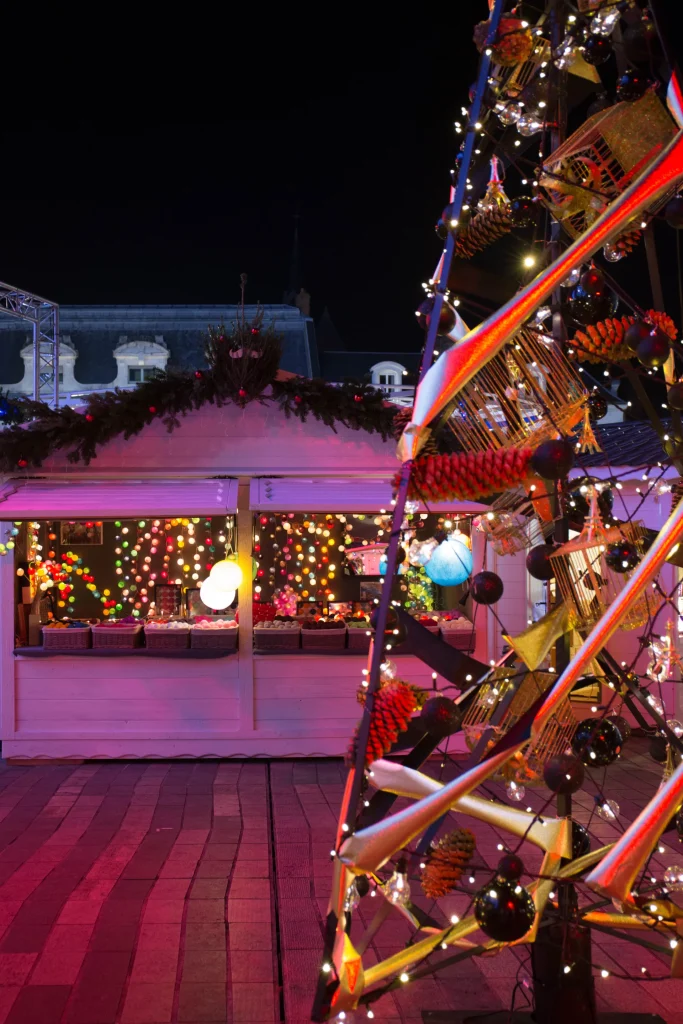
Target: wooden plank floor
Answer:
[[149, 893]]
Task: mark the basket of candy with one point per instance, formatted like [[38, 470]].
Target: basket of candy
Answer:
[[280, 634], [124, 633], [216, 634], [323, 635], [430, 622], [167, 635], [66, 636], [360, 634], [457, 631]]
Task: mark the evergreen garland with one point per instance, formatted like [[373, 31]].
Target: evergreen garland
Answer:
[[243, 366]]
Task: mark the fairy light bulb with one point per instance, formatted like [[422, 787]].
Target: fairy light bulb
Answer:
[[514, 791], [673, 878], [608, 810]]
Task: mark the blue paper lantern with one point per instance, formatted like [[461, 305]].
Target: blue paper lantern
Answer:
[[450, 564]]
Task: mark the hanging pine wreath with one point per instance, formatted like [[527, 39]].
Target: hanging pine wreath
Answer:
[[604, 342], [468, 475], [446, 862], [392, 709], [243, 367]]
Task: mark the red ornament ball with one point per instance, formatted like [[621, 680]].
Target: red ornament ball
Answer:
[[22, 463], [198, 374], [242, 393], [152, 409], [298, 399], [255, 330], [487, 588], [89, 417], [358, 398]]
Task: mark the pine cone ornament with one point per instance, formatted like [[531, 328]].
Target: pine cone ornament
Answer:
[[392, 709], [467, 475], [446, 862], [486, 227], [419, 693], [628, 242], [401, 421], [513, 44], [604, 342]]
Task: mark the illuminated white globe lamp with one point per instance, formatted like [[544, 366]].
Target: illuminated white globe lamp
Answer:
[[226, 574], [215, 596]]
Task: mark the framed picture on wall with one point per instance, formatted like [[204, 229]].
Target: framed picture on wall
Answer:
[[370, 590], [80, 532], [167, 599]]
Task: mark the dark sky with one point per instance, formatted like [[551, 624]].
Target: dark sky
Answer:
[[163, 211]]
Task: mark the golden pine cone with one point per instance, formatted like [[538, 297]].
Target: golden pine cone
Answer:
[[486, 227], [446, 862]]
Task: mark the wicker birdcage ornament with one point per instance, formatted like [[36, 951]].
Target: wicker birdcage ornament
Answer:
[[524, 73], [587, 584], [526, 767], [595, 164], [525, 394], [512, 523]]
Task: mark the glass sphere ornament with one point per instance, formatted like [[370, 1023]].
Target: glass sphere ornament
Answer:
[[673, 878], [676, 727], [441, 717], [538, 563], [447, 319], [632, 86], [528, 124], [487, 588], [573, 278], [565, 53], [654, 350], [504, 910], [552, 460], [450, 564], [581, 842], [596, 50], [214, 596], [515, 791], [352, 898], [597, 407], [578, 507], [605, 20], [637, 332], [674, 396], [226, 574], [623, 726], [656, 704], [510, 867], [508, 113], [658, 749], [592, 281], [563, 773], [607, 809], [597, 742], [613, 253], [524, 211], [585, 308], [397, 888], [622, 556], [673, 213]]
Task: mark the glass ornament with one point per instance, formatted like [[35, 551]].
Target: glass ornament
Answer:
[[613, 253], [656, 704], [397, 889], [565, 54], [352, 898], [609, 810], [676, 727], [673, 878], [508, 114], [528, 125], [226, 574], [515, 792], [573, 279], [214, 596], [450, 564], [605, 21]]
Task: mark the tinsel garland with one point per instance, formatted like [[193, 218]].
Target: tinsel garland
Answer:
[[243, 364], [604, 341], [446, 862], [392, 709], [486, 227], [467, 475]]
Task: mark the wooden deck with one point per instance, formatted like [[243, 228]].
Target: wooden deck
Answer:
[[149, 893]]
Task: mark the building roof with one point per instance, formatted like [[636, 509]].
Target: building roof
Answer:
[[339, 366], [631, 443]]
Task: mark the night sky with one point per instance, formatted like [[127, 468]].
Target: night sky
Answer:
[[164, 212]]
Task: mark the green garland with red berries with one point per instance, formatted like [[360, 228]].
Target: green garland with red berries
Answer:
[[243, 367]]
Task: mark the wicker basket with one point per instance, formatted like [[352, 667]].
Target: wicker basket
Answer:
[[66, 639], [359, 639], [323, 639], [167, 639], [112, 637], [277, 639], [462, 639], [214, 639]]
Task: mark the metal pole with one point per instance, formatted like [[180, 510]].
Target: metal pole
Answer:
[[401, 496], [36, 360]]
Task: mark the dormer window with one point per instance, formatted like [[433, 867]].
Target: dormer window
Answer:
[[388, 374], [387, 378], [140, 374]]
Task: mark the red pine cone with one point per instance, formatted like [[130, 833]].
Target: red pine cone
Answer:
[[627, 242], [603, 342], [419, 693], [392, 709], [467, 475], [446, 862]]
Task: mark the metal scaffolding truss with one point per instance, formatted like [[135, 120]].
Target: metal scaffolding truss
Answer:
[[43, 316]]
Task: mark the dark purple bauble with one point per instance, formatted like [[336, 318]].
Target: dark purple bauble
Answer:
[[632, 86], [362, 885], [447, 319], [441, 229], [641, 42], [524, 211], [622, 556], [510, 867], [654, 350], [674, 396], [553, 459], [423, 311], [597, 741], [588, 309], [636, 333], [673, 213], [398, 634], [504, 911], [563, 773], [592, 281], [441, 717], [659, 749], [597, 406], [581, 842], [623, 726], [486, 587], [538, 563], [596, 50]]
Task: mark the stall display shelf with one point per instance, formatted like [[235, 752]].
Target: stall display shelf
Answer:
[[167, 638], [213, 639], [66, 639], [117, 636]]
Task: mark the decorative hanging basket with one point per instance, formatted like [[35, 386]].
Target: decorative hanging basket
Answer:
[[584, 579], [527, 766], [526, 394]]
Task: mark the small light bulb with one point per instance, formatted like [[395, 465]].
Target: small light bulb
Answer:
[[529, 261]]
